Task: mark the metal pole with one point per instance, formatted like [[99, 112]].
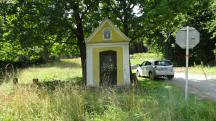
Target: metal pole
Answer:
[[187, 60]]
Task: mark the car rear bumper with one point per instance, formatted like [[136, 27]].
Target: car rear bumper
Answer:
[[164, 73]]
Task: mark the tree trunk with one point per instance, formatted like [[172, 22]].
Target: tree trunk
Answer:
[[83, 60], [81, 43], [45, 55]]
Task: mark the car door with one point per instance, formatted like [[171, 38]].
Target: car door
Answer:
[[145, 68], [148, 68], [142, 66]]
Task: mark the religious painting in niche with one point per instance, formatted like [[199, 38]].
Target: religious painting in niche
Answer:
[[107, 34]]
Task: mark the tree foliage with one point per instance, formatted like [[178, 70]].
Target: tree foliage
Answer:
[[31, 30], [169, 18]]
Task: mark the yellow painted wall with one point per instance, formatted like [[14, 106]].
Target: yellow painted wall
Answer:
[[96, 64], [98, 38]]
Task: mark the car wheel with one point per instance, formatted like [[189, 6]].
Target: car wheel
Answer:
[[151, 76], [170, 77], [137, 73]]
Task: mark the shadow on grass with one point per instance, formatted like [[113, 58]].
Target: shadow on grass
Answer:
[[158, 85], [145, 85], [54, 84]]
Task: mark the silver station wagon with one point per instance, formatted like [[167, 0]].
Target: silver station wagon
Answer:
[[156, 68]]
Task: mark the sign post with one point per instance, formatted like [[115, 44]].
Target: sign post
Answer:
[[187, 38], [187, 61]]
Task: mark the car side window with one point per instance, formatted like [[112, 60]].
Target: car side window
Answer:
[[143, 64], [147, 63]]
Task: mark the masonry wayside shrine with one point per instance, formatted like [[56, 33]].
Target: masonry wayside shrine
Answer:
[[107, 54]]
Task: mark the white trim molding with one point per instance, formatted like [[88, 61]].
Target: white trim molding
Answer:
[[89, 57], [107, 44], [126, 68], [89, 66]]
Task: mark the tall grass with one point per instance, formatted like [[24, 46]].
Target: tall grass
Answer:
[[150, 101], [29, 103]]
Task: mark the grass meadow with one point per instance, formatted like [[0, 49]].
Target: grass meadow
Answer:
[[138, 58], [203, 69], [61, 97]]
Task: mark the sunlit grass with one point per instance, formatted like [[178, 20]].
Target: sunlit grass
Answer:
[[66, 69], [203, 69], [138, 58]]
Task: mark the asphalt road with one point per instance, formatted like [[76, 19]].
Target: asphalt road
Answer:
[[204, 86]]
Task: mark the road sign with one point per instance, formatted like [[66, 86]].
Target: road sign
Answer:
[[187, 37], [194, 37]]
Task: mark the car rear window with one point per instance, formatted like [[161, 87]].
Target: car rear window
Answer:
[[163, 63]]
